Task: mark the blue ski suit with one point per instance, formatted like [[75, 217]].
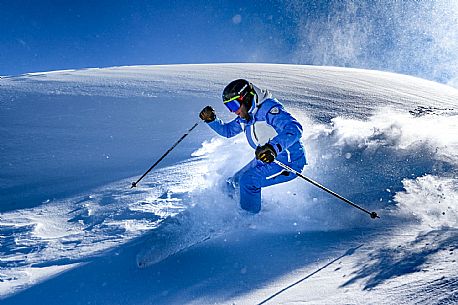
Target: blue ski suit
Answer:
[[269, 123]]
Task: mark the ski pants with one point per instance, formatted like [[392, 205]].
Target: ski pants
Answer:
[[256, 175]]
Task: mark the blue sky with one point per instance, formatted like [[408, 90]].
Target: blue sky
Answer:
[[409, 37], [44, 35]]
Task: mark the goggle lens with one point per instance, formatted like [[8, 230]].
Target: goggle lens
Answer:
[[233, 105]]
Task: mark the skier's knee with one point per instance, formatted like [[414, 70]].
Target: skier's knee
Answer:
[[249, 181]]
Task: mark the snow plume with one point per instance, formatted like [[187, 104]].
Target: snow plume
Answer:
[[410, 37], [393, 161], [431, 199]]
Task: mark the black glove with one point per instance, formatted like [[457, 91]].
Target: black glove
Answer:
[[208, 114], [266, 153]]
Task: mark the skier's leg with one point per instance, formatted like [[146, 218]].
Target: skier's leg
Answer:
[[250, 190], [253, 178], [232, 183]]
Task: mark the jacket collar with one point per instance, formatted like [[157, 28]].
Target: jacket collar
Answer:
[[259, 98]]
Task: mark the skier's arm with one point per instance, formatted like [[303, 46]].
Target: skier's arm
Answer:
[[227, 130], [288, 128]]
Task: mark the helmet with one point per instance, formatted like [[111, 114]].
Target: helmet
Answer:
[[238, 92]]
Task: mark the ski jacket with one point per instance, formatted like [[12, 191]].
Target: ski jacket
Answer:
[[269, 123]]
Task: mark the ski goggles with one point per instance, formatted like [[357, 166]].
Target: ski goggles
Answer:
[[233, 104]]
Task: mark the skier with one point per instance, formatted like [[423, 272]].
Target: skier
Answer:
[[270, 130]]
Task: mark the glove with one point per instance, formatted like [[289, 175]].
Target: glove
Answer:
[[266, 153], [208, 114]]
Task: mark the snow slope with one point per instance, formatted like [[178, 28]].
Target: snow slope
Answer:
[[72, 230]]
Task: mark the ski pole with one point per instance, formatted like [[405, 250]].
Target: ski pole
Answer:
[[372, 214], [134, 184]]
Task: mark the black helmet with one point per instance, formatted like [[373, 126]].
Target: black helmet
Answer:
[[238, 92]]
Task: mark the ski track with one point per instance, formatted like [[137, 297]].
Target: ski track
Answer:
[[77, 229]]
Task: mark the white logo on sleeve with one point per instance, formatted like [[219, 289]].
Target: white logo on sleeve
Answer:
[[274, 110]]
